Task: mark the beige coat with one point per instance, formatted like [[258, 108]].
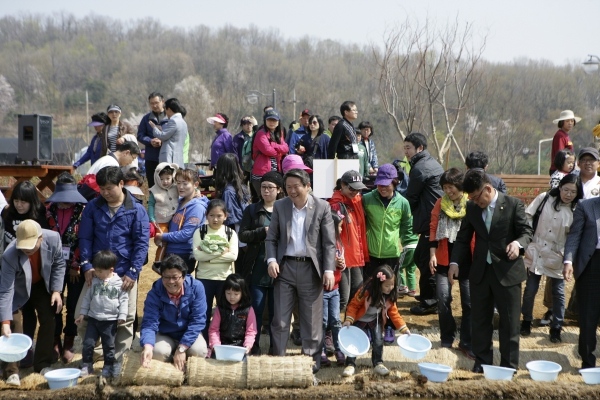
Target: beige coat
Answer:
[[544, 255]]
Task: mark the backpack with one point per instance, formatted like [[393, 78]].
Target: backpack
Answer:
[[247, 160], [204, 231]]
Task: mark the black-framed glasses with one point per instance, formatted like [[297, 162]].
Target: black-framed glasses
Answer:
[[475, 198], [171, 278]]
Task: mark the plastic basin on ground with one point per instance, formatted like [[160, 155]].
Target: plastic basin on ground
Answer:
[[591, 376], [544, 371], [14, 348], [62, 378], [353, 341], [229, 353], [414, 346], [495, 373], [435, 372]]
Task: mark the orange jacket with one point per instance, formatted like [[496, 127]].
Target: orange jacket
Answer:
[[441, 253], [360, 303], [354, 232]]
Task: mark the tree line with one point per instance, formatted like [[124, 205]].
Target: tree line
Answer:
[[419, 77]]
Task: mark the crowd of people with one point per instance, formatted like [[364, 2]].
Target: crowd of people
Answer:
[[265, 256]]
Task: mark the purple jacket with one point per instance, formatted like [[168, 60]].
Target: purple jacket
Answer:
[[222, 144]]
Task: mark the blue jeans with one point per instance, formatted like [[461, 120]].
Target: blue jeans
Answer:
[[376, 346], [258, 294], [331, 315], [558, 299], [445, 317], [212, 289]]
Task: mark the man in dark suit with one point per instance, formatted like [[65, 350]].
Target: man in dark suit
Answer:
[[478, 159], [501, 236], [300, 247], [582, 260]]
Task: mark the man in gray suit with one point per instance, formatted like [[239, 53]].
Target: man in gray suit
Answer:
[[33, 269], [300, 248], [173, 133], [582, 261]]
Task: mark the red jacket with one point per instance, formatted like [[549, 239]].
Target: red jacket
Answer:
[[262, 151], [359, 305], [354, 233]]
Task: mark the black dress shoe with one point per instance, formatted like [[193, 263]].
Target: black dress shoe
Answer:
[[478, 369], [296, 338], [424, 310]]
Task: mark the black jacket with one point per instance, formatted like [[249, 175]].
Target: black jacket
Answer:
[[342, 137], [233, 325], [423, 189], [253, 233]]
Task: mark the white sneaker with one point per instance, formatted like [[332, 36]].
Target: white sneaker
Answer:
[[13, 380], [348, 371], [44, 371], [380, 369]]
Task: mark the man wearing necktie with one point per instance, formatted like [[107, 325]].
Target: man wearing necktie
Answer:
[[501, 237]]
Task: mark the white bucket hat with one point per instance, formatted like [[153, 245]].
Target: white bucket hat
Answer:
[[566, 114]]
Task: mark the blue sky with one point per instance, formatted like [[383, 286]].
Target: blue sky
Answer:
[[559, 31]]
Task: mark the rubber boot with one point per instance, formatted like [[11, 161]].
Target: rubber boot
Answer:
[[68, 350], [57, 349]]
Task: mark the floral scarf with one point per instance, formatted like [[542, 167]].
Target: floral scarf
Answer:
[[450, 218]]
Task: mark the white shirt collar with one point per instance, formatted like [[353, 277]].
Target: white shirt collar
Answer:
[[494, 200]]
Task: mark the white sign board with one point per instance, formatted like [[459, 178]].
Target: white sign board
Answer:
[[327, 172]]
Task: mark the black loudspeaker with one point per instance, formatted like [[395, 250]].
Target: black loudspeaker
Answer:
[[35, 137]]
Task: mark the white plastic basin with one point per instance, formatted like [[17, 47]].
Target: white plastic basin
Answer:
[[495, 373], [414, 346], [353, 341], [435, 372], [591, 376], [229, 353], [62, 378], [14, 348], [545, 371]]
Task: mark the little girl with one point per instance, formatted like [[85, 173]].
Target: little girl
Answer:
[[370, 309], [331, 298], [234, 322], [214, 267], [564, 162]]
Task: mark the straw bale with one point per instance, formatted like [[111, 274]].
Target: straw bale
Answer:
[[265, 371], [217, 373], [160, 373]]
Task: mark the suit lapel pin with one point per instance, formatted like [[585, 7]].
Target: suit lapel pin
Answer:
[[502, 208]]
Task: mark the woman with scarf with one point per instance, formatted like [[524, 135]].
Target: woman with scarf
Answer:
[[446, 217]]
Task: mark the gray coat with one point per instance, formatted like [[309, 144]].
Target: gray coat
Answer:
[[583, 236], [15, 275], [173, 136], [320, 233]]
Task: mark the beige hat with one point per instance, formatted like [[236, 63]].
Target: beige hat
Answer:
[[566, 114], [28, 233]]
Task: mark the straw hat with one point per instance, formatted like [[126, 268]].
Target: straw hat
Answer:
[[566, 114]]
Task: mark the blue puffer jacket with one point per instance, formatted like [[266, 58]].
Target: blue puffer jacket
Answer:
[[92, 153], [235, 208], [126, 234], [184, 223], [161, 316]]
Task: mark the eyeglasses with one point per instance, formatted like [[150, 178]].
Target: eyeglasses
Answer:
[[475, 198], [171, 278], [268, 188]]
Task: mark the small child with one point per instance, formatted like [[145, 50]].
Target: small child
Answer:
[[215, 266], [163, 202], [564, 162], [105, 306], [369, 310], [233, 322], [331, 298]]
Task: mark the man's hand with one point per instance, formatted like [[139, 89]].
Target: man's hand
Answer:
[[512, 250], [452, 273], [89, 275], [56, 298], [432, 264], [6, 330], [179, 360], [74, 275], [127, 284], [156, 142], [568, 271], [328, 281], [146, 356], [273, 269]]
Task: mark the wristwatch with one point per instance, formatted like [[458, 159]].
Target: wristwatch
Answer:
[[181, 349]]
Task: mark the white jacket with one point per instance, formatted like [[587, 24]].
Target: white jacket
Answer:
[[544, 255]]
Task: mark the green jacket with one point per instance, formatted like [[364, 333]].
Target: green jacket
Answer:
[[385, 225], [363, 160]]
